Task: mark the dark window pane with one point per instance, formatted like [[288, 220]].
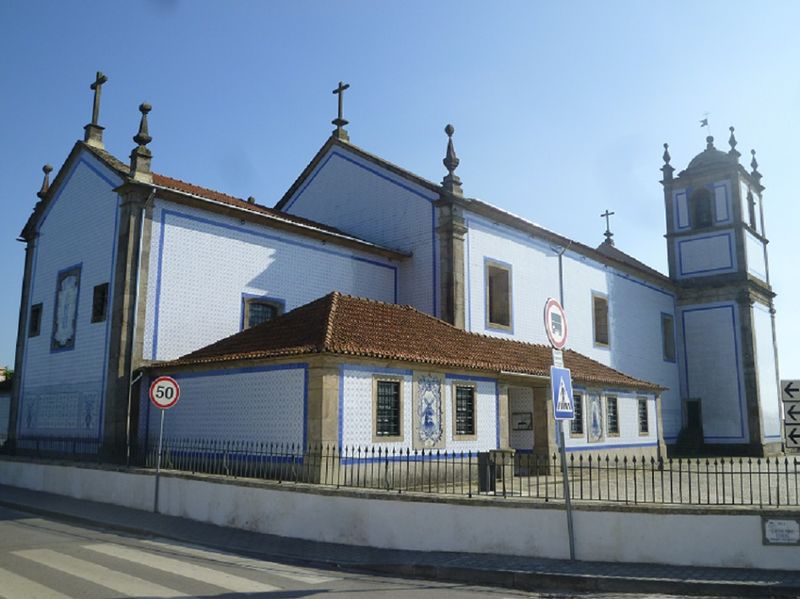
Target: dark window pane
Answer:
[[600, 305], [35, 324], [576, 424], [465, 411], [644, 424], [387, 409], [700, 203], [668, 337], [100, 303], [499, 288], [612, 416], [259, 312]]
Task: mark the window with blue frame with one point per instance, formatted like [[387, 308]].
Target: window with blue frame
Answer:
[[258, 311]]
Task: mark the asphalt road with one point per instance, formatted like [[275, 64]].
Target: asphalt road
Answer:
[[42, 558]]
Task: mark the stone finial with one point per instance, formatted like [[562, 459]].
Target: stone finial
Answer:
[[340, 132], [46, 169], [754, 165], [251, 200], [732, 143], [93, 133], [451, 182], [667, 169], [710, 142], [141, 155]]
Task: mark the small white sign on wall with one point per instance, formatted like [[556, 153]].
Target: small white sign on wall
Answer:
[[782, 531]]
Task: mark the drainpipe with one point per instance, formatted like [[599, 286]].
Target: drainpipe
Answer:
[[131, 380]]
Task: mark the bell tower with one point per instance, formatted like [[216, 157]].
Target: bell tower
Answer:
[[725, 318]]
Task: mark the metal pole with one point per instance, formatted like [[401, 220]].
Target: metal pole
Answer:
[[158, 461], [567, 500]]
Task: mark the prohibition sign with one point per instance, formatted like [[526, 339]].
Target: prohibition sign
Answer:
[[164, 392], [555, 323]]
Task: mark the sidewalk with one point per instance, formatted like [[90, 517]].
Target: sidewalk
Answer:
[[496, 570]]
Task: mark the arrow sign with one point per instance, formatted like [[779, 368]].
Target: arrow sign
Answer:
[[791, 412], [793, 435], [790, 390]]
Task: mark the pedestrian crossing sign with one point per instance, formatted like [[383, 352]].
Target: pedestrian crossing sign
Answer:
[[561, 384]]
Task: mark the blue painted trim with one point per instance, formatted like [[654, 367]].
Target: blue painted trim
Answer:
[[285, 240], [675, 200], [595, 446], [56, 350], [95, 169], [714, 188], [341, 404], [732, 262], [377, 370], [742, 436], [267, 298], [508, 330], [346, 158], [400, 456], [674, 340], [464, 377]]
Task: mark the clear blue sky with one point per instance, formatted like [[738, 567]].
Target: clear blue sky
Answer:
[[560, 108]]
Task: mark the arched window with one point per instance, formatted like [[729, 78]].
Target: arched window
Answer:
[[700, 203]]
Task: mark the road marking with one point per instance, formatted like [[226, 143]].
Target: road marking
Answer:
[[291, 572], [15, 586], [229, 582], [106, 577]]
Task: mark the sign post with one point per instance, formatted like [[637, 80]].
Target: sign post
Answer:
[[555, 324], [164, 394], [790, 393]]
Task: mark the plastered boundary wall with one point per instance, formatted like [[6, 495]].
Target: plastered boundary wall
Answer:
[[664, 536]]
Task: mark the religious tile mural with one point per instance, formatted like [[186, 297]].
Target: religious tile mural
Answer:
[[428, 412], [66, 312]]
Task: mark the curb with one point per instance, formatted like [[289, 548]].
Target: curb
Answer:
[[512, 579]]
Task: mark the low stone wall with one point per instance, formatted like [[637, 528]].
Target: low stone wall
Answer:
[[680, 536]]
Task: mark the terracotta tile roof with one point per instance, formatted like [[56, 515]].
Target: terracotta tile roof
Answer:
[[345, 325]]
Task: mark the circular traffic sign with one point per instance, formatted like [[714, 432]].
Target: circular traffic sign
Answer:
[[555, 323], [164, 392]]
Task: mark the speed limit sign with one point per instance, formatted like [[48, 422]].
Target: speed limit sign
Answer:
[[165, 392]]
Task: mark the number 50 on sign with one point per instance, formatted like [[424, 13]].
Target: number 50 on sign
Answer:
[[164, 392]]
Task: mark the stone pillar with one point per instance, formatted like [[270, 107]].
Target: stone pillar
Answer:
[[502, 414], [321, 452], [123, 310], [452, 232]]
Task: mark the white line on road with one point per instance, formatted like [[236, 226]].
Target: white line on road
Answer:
[[290, 572], [106, 577], [15, 586], [229, 582]]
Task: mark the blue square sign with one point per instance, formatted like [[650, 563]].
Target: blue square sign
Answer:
[[561, 384]]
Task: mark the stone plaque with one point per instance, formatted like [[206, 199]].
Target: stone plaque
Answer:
[[781, 531]]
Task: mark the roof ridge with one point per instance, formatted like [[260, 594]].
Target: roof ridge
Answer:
[[327, 342]]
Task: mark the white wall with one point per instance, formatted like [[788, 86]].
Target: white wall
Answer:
[[60, 391], [627, 418], [202, 263], [266, 404], [756, 261], [356, 424], [768, 397], [635, 306], [706, 254], [728, 539], [363, 199], [712, 347]]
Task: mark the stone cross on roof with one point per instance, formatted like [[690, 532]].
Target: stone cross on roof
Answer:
[[608, 232], [93, 133], [340, 122]]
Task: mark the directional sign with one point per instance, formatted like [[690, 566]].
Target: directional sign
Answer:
[[792, 436], [555, 323], [165, 392], [791, 412], [561, 384], [790, 390]]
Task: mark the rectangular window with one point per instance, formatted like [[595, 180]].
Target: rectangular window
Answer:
[[668, 337], [600, 314], [644, 420], [258, 311], [465, 410], [612, 416], [576, 424], [498, 295], [387, 409], [35, 323], [100, 303]]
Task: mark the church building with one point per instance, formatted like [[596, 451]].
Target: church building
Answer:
[[372, 307]]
